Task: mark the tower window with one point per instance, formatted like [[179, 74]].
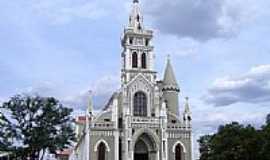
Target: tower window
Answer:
[[130, 40], [139, 26], [134, 60], [138, 18], [140, 104], [146, 42], [144, 60]]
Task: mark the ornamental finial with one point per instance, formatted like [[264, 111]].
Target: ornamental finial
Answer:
[[90, 103], [168, 57], [187, 109]]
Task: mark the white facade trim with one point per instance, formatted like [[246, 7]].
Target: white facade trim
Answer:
[[183, 146], [137, 77], [149, 132], [102, 141]]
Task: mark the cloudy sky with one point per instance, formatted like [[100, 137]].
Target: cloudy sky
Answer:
[[219, 48]]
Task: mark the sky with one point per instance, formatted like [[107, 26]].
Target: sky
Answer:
[[219, 49]]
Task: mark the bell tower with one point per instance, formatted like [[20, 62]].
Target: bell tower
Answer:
[[137, 55]]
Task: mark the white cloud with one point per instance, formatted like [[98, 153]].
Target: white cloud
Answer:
[[2, 100], [101, 90], [200, 20], [252, 87], [169, 44], [64, 11]]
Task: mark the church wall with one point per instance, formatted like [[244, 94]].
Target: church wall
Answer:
[[172, 101], [185, 140], [108, 137], [80, 151]]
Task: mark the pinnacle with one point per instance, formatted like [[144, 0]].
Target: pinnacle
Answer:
[[169, 77], [187, 109]]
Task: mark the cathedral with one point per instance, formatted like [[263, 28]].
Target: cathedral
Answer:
[[141, 120]]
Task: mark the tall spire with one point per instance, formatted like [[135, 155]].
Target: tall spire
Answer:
[[136, 18], [169, 77], [90, 104]]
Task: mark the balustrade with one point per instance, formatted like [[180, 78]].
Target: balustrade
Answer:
[[105, 125]]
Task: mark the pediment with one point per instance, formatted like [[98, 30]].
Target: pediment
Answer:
[[140, 82]]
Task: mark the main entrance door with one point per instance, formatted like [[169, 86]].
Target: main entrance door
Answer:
[[141, 151], [145, 148], [139, 156]]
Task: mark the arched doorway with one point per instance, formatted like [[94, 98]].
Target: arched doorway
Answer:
[[101, 151], [141, 151], [145, 148], [178, 152]]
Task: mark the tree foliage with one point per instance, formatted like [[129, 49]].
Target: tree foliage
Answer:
[[205, 146], [268, 119], [236, 142], [266, 135], [32, 125]]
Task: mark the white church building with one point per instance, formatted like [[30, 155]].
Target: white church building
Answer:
[[141, 120]]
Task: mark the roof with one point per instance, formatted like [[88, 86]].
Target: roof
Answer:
[[65, 152], [81, 119], [107, 106], [169, 77]]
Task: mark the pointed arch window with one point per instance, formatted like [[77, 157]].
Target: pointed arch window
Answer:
[[140, 104], [178, 152], [131, 40], [134, 60], [101, 151], [144, 61], [138, 18], [147, 42], [139, 26]]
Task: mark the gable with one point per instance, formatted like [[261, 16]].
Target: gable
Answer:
[[140, 83]]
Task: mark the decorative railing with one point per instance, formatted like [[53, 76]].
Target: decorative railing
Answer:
[[178, 127], [129, 30], [103, 125], [145, 120]]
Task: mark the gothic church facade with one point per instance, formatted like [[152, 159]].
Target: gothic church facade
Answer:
[[141, 121]]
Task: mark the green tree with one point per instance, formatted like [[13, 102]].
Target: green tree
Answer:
[[265, 134], [205, 147], [268, 119], [234, 142], [29, 126]]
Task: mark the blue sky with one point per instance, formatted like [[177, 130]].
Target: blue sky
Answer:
[[219, 48]]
